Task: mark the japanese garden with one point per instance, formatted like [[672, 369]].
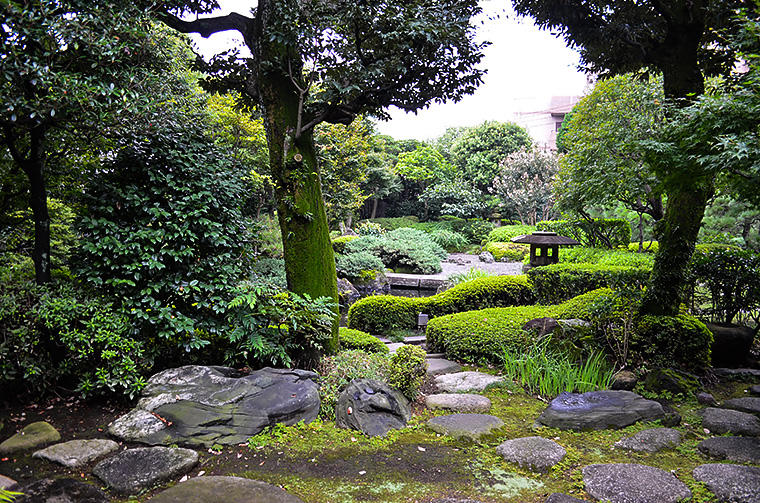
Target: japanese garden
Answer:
[[220, 281]]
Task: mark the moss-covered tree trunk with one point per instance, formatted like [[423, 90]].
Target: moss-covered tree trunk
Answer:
[[309, 259]]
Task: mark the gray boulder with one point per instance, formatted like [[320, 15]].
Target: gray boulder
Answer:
[[198, 405], [541, 326], [76, 453], [458, 402], [754, 390], [347, 293], [737, 449], [598, 410], [61, 491], [704, 398], [227, 489], [633, 483], [734, 483], [651, 440], [372, 407], [133, 470], [722, 421], [745, 404], [468, 426], [486, 257], [33, 435], [624, 380], [535, 453], [6, 482], [562, 498], [462, 382], [731, 344]]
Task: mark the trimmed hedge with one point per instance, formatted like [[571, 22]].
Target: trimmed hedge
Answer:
[[648, 247], [505, 233], [602, 256], [671, 341], [558, 282], [356, 339], [383, 313], [606, 232], [512, 252], [654, 247]]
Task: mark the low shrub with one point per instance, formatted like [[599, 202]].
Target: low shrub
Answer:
[[599, 232], [646, 247], [407, 370], [505, 233], [270, 270], [587, 305], [356, 339], [602, 256], [369, 229], [360, 266], [339, 243], [336, 372], [670, 341], [558, 282], [403, 250], [383, 313], [508, 252], [449, 240]]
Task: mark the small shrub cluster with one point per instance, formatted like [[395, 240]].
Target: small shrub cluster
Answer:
[[356, 339], [384, 313], [370, 229], [601, 256], [451, 241], [505, 233], [508, 252], [339, 243], [270, 270], [558, 282], [599, 232], [358, 266], [646, 247], [337, 371], [670, 341], [408, 368], [403, 250]]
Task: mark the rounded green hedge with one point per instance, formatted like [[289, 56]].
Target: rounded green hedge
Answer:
[[558, 282], [505, 233], [383, 313], [671, 341], [356, 339], [339, 243]]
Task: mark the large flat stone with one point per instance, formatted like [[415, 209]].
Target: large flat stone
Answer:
[[469, 426], [133, 470], [737, 449], [722, 421], [748, 404], [32, 436], [224, 489], [197, 405], [598, 410], [754, 389], [6, 482], [61, 491], [562, 498], [535, 453], [651, 440], [76, 453], [458, 402], [462, 382], [633, 483], [439, 366], [742, 373], [733, 483]]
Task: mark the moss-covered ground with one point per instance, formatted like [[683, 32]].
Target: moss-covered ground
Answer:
[[323, 464]]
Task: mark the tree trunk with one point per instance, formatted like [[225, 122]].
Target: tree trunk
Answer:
[[309, 259], [374, 208]]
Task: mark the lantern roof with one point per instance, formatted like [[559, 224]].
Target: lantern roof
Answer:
[[544, 238]]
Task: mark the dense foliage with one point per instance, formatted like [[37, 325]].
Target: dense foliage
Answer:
[[403, 250], [356, 339], [596, 232], [408, 369]]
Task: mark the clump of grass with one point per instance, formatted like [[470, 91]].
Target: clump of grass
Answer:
[[548, 373], [471, 274]]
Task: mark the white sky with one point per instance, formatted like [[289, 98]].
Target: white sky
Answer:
[[525, 67]]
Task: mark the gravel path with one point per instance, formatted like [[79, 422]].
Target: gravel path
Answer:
[[462, 262]]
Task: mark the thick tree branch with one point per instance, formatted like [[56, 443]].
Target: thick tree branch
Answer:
[[206, 27]]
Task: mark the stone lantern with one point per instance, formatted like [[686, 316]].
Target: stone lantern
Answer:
[[544, 247]]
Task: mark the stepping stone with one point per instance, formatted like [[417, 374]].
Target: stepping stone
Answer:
[[652, 440], [469, 426], [535, 453], [562, 498], [33, 435], [599, 410], [754, 390], [6, 482], [722, 421], [372, 407], [431, 356], [737, 449], [77, 453], [737, 373], [133, 470], [61, 491], [750, 405], [227, 489], [458, 402], [393, 346], [461, 382], [706, 399], [734, 483], [198, 405], [438, 366], [633, 483]]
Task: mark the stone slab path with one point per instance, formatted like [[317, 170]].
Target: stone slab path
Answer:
[[467, 426], [134, 470], [722, 421], [462, 382], [737, 449], [76, 453], [224, 490], [633, 483], [734, 483], [33, 435], [535, 453], [458, 402], [651, 440]]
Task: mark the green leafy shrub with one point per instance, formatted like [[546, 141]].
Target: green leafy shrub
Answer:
[[477, 230], [505, 233], [270, 270], [602, 256], [647, 247], [671, 341], [356, 339], [383, 313], [449, 240], [731, 279], [507, 252], [368, 228], [558, 282], [272, 327], [336, 372], [599, 232], [268, 237], [403, 250], [339, 243], [358, 266], [393, 223], [407, 370]]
